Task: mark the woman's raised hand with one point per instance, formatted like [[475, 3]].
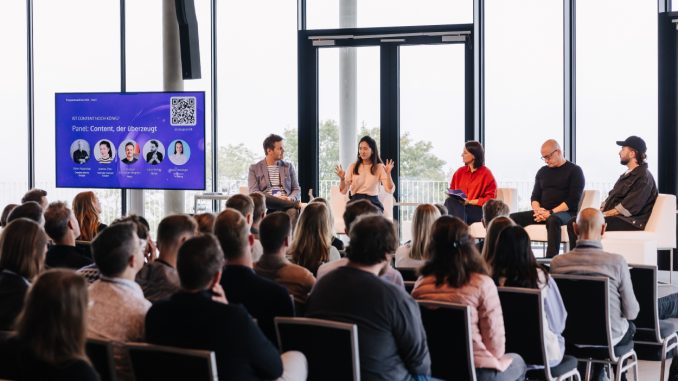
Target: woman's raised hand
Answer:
[[389, 166], [339, 171]]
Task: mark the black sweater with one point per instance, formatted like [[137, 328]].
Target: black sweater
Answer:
[[553, 186]]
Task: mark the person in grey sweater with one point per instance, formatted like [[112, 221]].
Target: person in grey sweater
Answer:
[[588, 258]]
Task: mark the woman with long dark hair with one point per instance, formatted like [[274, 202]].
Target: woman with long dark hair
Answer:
[[514, 265], [475, 181], [456, 273], [364, 177], [312, 242]]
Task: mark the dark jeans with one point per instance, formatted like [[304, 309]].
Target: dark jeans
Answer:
[[553, 224], [466, 213], [613, 224], [373, 199], [597, 373], [667, 306], [275, 204]]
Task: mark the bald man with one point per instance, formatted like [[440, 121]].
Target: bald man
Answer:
[[558, 188], [588, 258]]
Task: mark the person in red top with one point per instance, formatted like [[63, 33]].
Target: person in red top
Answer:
[[476, 181]]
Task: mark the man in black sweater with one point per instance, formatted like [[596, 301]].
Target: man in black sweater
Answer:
[[62, 227], [558, 188]]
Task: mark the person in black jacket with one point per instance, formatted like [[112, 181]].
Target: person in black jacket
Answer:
[[199, 317], [62, 227]]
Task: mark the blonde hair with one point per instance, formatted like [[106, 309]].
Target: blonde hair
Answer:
[[422, 225], [86, 214], [312, 237]]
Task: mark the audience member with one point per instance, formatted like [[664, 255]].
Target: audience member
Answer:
[[199, 317], [245, 205], [515, 266], [259, 212], [23, 245], [263, 298], [392, 341], [441, 208], [118, 306], [413, 252], [37, 195], [588, 258], [5, 214], [456, 273], [275, 232], [558, 188], [205, 222], [495, 227], [63, 228], [29, 209], [336, 242], [87, 209], [50, 338], [159, 279], [494, 208], [312, 242]]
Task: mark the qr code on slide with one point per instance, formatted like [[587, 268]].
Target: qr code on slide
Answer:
[[182, 112]]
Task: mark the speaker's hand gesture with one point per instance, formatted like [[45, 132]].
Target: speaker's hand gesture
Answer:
[[388, 167], [339, 171]]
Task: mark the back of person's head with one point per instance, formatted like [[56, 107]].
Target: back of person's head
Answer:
[[494, 208], [323, 201], [242, 203], [114, 246], [23, 245], [357, 208], [453, 257], [140, 224], [57, 216], [422, 223], [85, 208], [37, 195], [52, 324], [259, 201], [29, 209], [514, 260], [205, 222], [496, 226], [373, 237], [200, 259], [589, 225], [273, 231], [442, 209], [312, 237], [5, 214], [233, 233], [172, 228]]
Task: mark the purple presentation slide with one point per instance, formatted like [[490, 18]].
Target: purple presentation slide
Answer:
[[130, 140]]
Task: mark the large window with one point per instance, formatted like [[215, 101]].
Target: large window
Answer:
[[76, 49], [616, 85], [523, 88]]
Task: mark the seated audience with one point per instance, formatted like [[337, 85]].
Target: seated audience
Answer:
[[491, 209], [63, 228], [275, 230], [87, 209], [23, 245], [118, 306], [588, 258], [50, 338], [5, 214], [37, 195], [29, 209], [245, 205], [205, 222], [412, 253], [199, 317], [263, 298], [259, 212], [336, 242], [355, 209], [495, 228], [391, 339], [456, 273], [441, 208], [312, 242], [159, 279], [515, 266]]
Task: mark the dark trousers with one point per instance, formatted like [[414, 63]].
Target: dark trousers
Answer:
[[553, 224], [466, 213], [597, 373], [613, 224], [373, 199]]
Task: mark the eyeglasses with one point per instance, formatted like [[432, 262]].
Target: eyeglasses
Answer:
[[548, 157]]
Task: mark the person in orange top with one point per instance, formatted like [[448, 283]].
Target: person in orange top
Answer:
[[476, 181]]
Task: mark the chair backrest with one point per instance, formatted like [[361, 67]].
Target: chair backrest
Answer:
[[523, 323], [408, 273], [586, 301], [448, 334], [156, 362], [313, 337], [663, 221], [590, 199], [644, 280], [387, 200], [100, 354], [509, 196]]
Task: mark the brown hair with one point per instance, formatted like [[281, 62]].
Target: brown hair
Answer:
[[205, 222], [22, 248], [372, 238], [242, 203], [312, 237], [172, 227], [259, 206], [493, 230], [86, 214], [5, 214], [52, 324], [422, 223], [199, 260], [232, 231]]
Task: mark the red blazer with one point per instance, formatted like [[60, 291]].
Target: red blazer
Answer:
[[477, 185]]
